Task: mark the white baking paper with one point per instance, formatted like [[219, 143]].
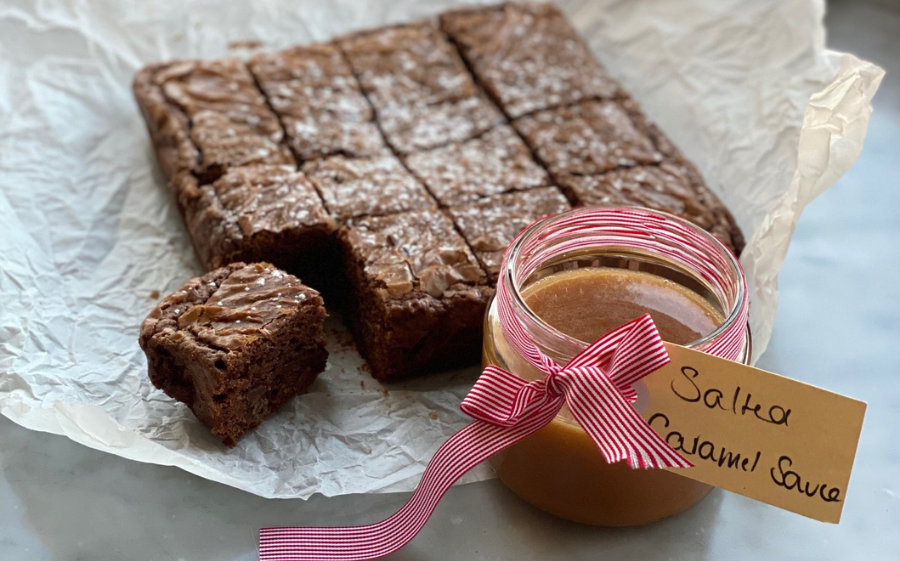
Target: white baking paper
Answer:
[[89, 233]]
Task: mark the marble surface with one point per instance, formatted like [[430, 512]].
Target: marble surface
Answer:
[[838, 326]]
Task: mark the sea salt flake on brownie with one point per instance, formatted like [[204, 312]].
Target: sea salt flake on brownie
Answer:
[[527, 56], [422, 93], [490, 224], [313, 91], [206, 117], [256, 213], [496, 162], [367, 186], [587, 138], [418, 293]]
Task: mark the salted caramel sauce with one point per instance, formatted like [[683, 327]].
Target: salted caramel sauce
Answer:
[[588, 303], [559, 469]]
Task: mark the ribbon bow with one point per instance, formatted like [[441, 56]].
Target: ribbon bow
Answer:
[[597, 387]]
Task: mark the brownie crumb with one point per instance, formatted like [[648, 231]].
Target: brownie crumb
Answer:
[[250, 44]]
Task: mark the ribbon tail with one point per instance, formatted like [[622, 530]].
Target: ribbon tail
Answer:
[[462, 452]]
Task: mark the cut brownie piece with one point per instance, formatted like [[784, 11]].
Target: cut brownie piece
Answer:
[[491, 224], [235, 345], [672, 186], [496, 162], [422, 93], [314, 93], [367, 186], [205, 117], [410, 128], [258, 213], [587, 138], [419, 294], [527, 56], [410, 64]]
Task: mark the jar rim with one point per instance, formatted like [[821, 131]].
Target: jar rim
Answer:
[[512, 258]]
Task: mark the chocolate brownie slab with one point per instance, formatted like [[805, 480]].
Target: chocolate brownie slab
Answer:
[[489, 225], [671, 186], [422, 93], [373, 186], [314, 93], [495, 162], [419, 294], [206, 117], [258, 213], [527, 56], [235, 345], [587, 138]]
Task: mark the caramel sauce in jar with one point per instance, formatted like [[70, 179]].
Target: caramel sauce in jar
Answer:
[[565, 304], [588, 303]]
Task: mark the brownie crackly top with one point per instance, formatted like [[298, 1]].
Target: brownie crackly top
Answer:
[[489, 225], [414, 252], [527, 56], [214, 112], [319, 102], [367, 186], [244, 207], [588, 138], [229, 308], [496, 162]]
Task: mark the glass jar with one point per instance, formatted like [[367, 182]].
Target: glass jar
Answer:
[[559, 469]]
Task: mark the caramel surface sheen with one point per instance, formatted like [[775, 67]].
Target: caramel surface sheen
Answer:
[[588, 303]]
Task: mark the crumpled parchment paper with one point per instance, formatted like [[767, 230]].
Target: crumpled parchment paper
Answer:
[[89, 232]]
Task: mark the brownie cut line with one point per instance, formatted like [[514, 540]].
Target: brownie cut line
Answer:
[[587, 138], [374, 186], [313, 91], [259, 213], [422, 93], [527, 56], [235, 345], [489, 225], [495, 162], [205, 117]]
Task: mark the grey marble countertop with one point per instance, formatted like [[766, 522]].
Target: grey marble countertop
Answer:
[[839, 327]]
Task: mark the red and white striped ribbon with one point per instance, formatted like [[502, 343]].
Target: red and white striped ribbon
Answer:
[[596, 385]]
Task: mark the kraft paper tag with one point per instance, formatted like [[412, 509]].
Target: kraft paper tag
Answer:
[[755, 433]]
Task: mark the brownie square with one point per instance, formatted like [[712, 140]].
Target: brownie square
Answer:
[[496, 162], [490, 224], [235, 345], [208, 116], [409, 64], [374, 186], [527, 56], [419, 294], [410, 128], [587, 138], [258, 213], [422, 93], [672, 186], [314, 93]]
